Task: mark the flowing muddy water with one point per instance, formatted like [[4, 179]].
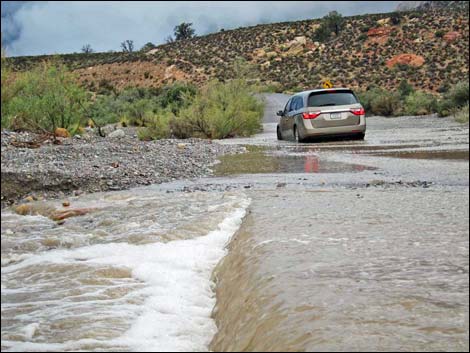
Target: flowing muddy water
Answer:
[[351, 270], [133, 274], [338, 246]]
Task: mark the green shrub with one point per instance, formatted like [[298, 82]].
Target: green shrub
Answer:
[[173, 96], [44, 98], [156, 126], [362, 37], [461, 115], [132, 104], [420, 103], [333, 22], [405, 88], [455, 98], [386, 104], [459, 94], [220, 110], [377, 101]]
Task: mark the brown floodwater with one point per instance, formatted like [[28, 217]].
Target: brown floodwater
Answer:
[[368, 270], [315, 262]]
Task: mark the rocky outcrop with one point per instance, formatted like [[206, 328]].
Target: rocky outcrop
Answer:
[[451, 36], [379, 32], [406, 59]]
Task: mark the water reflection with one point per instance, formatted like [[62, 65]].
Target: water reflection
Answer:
[[262, 160]]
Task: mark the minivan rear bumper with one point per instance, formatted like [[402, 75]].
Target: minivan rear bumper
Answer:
[[307, 129]]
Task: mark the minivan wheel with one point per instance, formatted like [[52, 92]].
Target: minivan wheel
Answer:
[[296, 135], [360, 136], [279, 134]]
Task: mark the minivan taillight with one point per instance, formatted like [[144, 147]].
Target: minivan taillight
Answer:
[[358, 111], [311, 115]]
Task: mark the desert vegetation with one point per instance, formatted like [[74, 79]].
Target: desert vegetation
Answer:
[[49, 96], [42, 99], [408, 101]]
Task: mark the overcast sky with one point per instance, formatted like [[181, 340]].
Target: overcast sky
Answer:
[[42, 27]]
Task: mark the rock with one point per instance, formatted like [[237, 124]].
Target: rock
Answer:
[[406, 59], [181, 146], [281, 185], [265, 65], [377, 182], [451, 36], [24, 209], [295, 50], [61, 215], [152, 51], [379, 32], [61, 132], [66, 203], [29, 199], [259, 52], [301, 40], [271, 54], [117, 134], [383, 21], [106, 130]]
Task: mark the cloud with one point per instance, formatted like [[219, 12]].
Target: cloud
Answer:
[[41, 27]]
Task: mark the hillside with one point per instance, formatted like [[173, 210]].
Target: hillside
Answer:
[[432, 5], [428, 48]]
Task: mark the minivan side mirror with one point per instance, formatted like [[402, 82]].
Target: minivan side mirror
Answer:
[[280, 113]]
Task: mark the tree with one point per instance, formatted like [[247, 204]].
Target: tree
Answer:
[[127, 46], [169, 39], [333, 22], [86, 49], [184, 31], [148, 46]]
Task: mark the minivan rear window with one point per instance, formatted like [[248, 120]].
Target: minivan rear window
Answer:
[[330, 98]]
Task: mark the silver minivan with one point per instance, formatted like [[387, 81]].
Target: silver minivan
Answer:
[[322, 112]]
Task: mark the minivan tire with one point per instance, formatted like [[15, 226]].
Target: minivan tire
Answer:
[[297, 136], [360, 136], [279, 134]]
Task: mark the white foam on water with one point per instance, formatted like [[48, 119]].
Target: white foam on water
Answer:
[[176, 316], [30, 330]]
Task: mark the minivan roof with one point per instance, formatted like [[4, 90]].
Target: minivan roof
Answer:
[[306, 93]]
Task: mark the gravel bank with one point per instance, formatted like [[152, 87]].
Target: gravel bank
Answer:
[[91, 163]]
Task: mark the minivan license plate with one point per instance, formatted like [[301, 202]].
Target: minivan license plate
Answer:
[[335, 116]]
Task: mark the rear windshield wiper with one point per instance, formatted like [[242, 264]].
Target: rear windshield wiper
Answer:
[[326, 104]]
